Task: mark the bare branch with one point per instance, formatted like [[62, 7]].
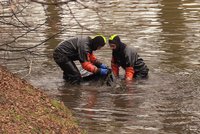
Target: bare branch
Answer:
[[17, 50], [19, 20], [52, 3], [30, 68], [18, 58], [1, 49], [12, 24], [13, 6], [13, 20], [78, 21]]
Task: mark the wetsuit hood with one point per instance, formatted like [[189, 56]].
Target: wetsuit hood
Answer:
[[114, 39], [97, 41]]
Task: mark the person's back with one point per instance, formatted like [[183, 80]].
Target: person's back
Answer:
[[136, 61], [74, 47]]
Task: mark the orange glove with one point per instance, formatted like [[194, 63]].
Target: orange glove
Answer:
[[89, 67], [114, 67], [129, 73]]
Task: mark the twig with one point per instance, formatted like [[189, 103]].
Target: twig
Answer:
[[29, 72], [52, 3], [2, 49], [30, 68], [79, 22]]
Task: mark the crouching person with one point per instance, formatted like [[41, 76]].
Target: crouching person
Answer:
[[128, 59], [79, 48]]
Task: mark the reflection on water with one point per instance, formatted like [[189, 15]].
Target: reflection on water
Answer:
[[165, 33], [53, 25], [173, 30]]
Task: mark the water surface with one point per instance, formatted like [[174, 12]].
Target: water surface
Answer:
[[166, 35]]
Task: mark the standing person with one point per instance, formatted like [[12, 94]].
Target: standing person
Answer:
[[127, 58], [79, 48]]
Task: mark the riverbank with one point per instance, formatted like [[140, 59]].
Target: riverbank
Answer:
[[25, 109]]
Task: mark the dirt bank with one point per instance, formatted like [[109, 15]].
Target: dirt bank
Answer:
[[25, 109]]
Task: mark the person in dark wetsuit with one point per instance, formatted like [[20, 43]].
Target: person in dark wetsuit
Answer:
[[128, 59], [79, 48]]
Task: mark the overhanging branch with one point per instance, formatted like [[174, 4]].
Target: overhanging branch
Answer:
[[52, 3]]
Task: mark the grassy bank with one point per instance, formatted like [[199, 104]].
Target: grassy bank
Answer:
[[25, 109]]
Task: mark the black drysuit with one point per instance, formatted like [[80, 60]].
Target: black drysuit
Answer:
[[77, 48], [127, 58]]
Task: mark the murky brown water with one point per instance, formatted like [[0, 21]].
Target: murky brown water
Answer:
[[166, 34]]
